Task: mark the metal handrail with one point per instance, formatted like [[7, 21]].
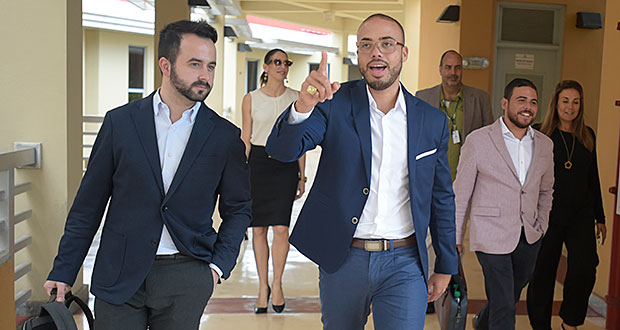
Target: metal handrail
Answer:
[[25, 155], [16, 158]]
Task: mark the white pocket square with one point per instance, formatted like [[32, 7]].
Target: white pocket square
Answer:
[[426, 153]]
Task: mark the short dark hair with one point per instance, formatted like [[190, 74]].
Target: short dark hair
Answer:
[[448, 52], [389, 18], [518, 82], [171, 35]]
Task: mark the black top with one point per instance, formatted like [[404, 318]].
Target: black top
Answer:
[[577, 191]]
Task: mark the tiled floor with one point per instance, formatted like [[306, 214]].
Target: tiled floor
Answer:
[[232, 304]]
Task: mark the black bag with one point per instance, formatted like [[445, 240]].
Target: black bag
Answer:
[[451, 307], [56, 316]]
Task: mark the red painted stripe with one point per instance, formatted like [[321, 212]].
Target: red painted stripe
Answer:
[[286, 25]]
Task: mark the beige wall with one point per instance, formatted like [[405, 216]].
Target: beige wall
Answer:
[[215, 100], [435, 39], [48, 71], [426, 40], [106, 68], [166, 12], [608, 130], [411, 24], [584, 54]]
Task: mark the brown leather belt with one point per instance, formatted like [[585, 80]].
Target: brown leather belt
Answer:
[[374, 245]]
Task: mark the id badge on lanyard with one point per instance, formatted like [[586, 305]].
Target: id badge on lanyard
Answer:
[[456, 137]]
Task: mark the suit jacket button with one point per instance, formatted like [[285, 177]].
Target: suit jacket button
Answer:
[[522, 192], [154, 242], [355, 220], [365, 191], [164, 209]]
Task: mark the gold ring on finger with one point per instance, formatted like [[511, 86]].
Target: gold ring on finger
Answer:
[[311, 90]]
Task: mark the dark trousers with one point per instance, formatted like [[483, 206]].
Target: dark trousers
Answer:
[[173, 296], [505, 275], [580, 242], [392, 281]]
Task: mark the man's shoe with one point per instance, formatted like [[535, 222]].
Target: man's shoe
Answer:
[[474, 321], [430, 309]]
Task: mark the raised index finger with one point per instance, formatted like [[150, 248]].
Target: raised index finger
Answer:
[[323, 65]]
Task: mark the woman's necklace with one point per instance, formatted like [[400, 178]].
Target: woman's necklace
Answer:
[[568, 165]]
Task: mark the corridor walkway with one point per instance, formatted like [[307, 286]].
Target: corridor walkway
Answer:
[[232, 305]]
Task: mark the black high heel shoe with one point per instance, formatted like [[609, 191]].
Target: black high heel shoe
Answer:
[[263, 310], [278, 308]]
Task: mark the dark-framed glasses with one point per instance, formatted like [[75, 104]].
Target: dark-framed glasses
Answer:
[[386, 46], [277, 62]]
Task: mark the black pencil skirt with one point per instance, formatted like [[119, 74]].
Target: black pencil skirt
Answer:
[[273, 188]]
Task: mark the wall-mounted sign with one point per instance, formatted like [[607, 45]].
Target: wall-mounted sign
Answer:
[[524, 61], [475, 63]]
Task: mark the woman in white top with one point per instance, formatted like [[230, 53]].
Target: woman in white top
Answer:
[[274, 185]]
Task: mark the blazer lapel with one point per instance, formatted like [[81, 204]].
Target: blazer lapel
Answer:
[[498, 140], [535, 158], [144, 121], [415, 119], [203, 126], [361, 120]]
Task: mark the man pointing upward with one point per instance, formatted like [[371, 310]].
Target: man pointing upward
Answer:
[[383, 180]]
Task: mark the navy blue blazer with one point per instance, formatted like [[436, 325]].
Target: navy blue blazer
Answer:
[[341, 126], [124, 168]]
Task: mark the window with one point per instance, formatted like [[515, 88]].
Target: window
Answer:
[[136, 73], [251, 81], [315, 66], [528, 25]]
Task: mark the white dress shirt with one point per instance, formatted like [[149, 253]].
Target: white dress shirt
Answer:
[[520, 151], [171, 141], [387, 213]]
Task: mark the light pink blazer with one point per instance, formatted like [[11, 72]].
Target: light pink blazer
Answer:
[[487, 185]]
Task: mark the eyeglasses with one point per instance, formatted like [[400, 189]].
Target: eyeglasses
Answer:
[[277, 62], [387, 46]]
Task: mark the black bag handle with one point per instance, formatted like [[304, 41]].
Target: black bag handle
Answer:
[[70, 298], [63, 319]]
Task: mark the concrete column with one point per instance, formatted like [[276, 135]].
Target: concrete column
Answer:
[[411, 24], [167, 12], [42, 102], [216, 97]]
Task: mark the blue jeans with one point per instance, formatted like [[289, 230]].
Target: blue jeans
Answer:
[[392, 281]]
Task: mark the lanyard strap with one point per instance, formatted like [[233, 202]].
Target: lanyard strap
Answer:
[[456, 107]]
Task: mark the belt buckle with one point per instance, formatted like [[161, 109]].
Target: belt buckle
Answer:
[[373, 246]]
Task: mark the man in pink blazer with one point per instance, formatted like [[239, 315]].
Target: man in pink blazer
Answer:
[[505, 180]]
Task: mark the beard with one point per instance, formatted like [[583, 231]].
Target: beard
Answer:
[[385, 82], [453, 80], [186, 90], [513, 117]]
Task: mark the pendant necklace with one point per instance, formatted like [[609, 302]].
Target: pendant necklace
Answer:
[[568, 165]]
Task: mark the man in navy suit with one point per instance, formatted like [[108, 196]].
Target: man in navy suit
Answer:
[[382, 181], [162, 162]]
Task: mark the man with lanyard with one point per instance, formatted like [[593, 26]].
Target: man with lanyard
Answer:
[[467, 107]]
